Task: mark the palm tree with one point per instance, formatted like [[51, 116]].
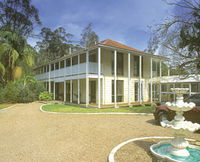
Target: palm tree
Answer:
[[15, 56]]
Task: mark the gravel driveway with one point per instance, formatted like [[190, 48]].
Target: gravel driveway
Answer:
[[27, 135]]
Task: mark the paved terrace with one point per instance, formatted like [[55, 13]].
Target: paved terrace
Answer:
[[26, 134]]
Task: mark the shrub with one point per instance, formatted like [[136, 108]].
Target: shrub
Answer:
[[9, 93], [20, 91], [45, 96]]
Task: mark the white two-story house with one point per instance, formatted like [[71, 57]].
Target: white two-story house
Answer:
[[108, 73]]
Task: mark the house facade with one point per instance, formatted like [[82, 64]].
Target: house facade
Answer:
[[108, 73]]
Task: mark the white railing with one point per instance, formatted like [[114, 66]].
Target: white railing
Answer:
[[74, 70]]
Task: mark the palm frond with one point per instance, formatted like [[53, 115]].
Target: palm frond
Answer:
[[2, 69]]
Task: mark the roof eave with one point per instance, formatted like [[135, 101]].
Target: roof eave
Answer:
[[134, 52]]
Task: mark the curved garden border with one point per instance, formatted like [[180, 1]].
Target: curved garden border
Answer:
[[116, 113], [111, 156], [6, 108]]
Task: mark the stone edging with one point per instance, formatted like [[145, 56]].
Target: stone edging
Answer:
[[93, 113], [116, 148], [6, 108]]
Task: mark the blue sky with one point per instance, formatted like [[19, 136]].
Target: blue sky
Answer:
[[125, 21]]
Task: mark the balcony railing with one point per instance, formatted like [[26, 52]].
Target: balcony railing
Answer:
[[71, 70]]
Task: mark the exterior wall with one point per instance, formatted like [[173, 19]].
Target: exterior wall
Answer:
[[108, 89]]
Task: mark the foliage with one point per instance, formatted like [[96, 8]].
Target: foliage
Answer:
[[54, 44], [178, 37], [89, 37], [24, 90], [45, 96], [15, 55], [18, 16]]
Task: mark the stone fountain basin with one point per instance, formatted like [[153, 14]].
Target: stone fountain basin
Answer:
[[192, 115], [162, 154]]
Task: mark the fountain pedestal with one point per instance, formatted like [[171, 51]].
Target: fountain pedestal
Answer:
[[178, 146]]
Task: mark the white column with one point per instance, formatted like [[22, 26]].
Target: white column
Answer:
[[168, 70], [99, 79], [140, 77], [54, 90], [160, 81], [78, 64], [115, 77], [87, 80], [71, 65], [174, 93], [78, 101], [190, 86], [78, 91], [65, 91], [129, 78], [49, 78], [71, 91], [151, 99]]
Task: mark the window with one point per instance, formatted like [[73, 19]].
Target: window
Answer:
[[119, 89], [83, 58], [185, 85], [57, 65], [47, 68], [194, 87], [68, 62], [62, 64], [120, 64], [156, 68], [75, 60], [136, 91], [44, 70], [93, 57], [164, 87], [52, 67], [177, 85], [136, 66], [155, 92]]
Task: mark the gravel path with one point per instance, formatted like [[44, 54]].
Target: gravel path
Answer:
[[27, 135]]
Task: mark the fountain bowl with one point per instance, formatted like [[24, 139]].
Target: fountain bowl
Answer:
[[162, 152]]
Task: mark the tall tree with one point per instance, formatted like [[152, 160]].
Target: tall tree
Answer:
[[18, 16], [179, 37], [15, 55], [53, 44], [17, 19], [88, 36]]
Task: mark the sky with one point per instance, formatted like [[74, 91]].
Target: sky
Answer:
[[125, 21]]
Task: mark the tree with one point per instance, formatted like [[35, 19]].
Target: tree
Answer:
[[18, 16], [89, 37], [54, 44], [17, 19], [15, 53], [179, 37]]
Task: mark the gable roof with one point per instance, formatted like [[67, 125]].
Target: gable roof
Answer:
[[109, 42]]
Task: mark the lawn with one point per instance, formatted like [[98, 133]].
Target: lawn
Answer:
[[2, 106], [76, 109]]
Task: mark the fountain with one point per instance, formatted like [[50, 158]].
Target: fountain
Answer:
[[178, 149]]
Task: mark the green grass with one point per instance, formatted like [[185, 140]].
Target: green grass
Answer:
[[76, 109], [2, 106]]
